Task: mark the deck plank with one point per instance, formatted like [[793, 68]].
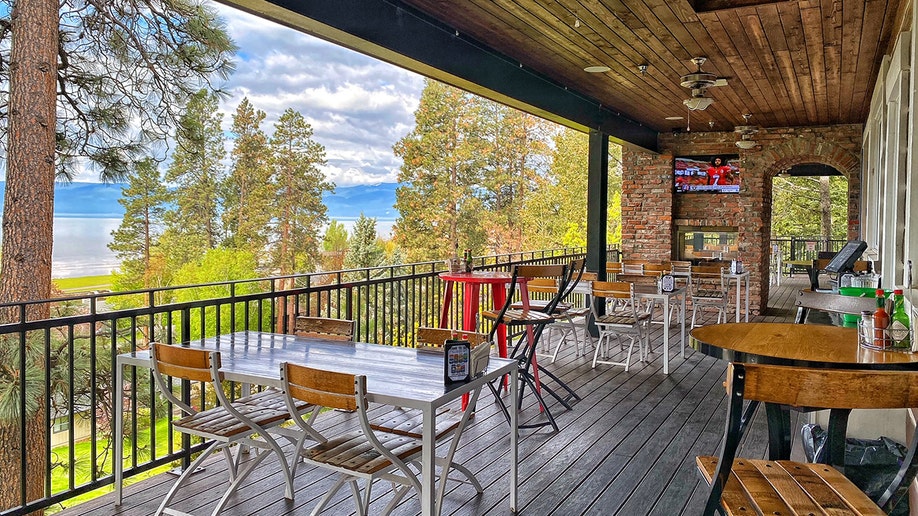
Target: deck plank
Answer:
[[627, 447]]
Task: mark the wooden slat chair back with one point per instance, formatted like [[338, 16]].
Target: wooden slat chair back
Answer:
[[808, 300], [250, 420], [615, 314], [633, 269], [356, 454], [613, 269], [325, 328], [742, 486]]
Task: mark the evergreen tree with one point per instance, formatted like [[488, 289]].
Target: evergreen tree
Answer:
[[197, 172], [810, 207], [556, 210], [248, 191], [335, 246], [517, 159], [442, 164], [299, 212], [364, 250], [144, 200]]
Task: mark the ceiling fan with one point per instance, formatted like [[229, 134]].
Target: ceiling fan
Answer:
[[698, 81]]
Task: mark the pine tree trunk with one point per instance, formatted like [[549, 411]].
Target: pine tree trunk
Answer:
[[28, 219]]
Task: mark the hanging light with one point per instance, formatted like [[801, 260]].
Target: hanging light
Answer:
[[746, 131]]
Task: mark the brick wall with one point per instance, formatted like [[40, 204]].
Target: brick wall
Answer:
[[650, 211]]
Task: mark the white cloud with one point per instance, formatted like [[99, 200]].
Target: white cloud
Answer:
[[357, 106]]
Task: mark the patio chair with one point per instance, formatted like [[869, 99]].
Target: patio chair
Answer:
[[534, 322], [248, 421], [709, 290], [564, 311], [324, 328], [616, 315], [358, 454], [741, 486], [681, 271], [409, 422]]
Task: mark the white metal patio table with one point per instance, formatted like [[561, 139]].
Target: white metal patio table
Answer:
[[395, 376]]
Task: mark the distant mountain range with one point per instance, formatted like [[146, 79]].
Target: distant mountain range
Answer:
[[97, 200]]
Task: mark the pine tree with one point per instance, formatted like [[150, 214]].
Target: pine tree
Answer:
[[334, 244], [442, 163], [517, 160], [197, 171], [364, 250], [144, 200], [99, 105], [247, 190], [299, 212]]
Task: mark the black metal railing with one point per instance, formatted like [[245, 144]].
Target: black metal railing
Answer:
[[70, 357], [799, 248]]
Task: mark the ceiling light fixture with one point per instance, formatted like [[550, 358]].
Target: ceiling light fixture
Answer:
[[698, 102], [643, 68], [746, 131], [596, 69]]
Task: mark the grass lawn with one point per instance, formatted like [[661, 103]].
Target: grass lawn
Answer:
[[85, 283], [82, 452]]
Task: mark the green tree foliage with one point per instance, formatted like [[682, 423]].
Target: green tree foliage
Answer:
[[441, 170], [516, 148], [125, 71], [214, 266], [812, 207], [364, 249], [299, 213], [334, 244], [248, 190], [144, 200], [197, 172]]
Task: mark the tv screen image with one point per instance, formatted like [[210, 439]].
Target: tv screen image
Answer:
[[706, 174]]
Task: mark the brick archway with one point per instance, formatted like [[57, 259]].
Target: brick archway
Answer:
[[818, 151]]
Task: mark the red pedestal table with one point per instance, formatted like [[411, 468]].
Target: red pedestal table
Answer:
[[472, 282]]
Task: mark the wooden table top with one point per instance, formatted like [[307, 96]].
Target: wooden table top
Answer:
[[809, 345]]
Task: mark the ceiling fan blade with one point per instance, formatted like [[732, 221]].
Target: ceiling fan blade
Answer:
[[721, 81]]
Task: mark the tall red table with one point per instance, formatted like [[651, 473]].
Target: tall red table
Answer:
[[472, 282]]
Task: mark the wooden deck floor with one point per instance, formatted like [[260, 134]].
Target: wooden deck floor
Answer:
[[627, 448]]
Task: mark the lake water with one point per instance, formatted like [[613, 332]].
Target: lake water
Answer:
[[81, 244]]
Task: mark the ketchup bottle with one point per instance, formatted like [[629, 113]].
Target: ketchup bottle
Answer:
[[880, 321]]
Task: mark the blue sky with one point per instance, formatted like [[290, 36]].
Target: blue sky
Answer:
[[358, 106]]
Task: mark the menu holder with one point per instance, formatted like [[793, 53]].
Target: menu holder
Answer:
[[667, 283], [457, 361]]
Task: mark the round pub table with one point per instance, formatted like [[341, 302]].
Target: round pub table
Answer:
[[795, 345]]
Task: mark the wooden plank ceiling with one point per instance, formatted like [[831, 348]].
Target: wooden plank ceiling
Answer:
[[790, 63]]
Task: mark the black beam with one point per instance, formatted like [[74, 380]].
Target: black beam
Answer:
[[394, 32]]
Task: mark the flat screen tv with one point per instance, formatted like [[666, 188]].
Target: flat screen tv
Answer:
[[844, 259], [706, 174]]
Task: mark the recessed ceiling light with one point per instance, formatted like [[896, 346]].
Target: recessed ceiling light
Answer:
[[596, 69], [675, 117]]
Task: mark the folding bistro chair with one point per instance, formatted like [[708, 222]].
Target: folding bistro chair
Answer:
[[409, 422], [534, 322], [709, 290], [358, 454], [324, 328], [246, 421], [616, 314], [746, 486]]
